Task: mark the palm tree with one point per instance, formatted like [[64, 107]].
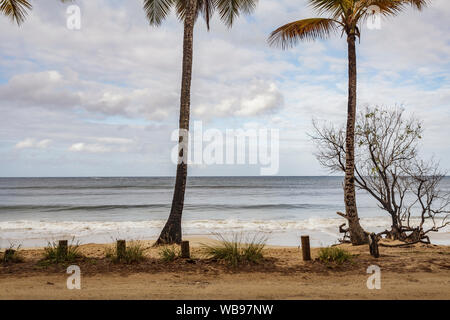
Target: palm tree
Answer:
[[346, 16], [188, 11]]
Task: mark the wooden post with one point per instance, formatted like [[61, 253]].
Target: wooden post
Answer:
[[373, 245], [121, 249], [306, 249], [62, 249], [185, 249]]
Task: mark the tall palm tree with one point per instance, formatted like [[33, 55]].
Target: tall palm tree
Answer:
[[346, 16], [188, 12]]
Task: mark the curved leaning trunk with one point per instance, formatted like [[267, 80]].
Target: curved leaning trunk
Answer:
[[171, 232], [357, 234]]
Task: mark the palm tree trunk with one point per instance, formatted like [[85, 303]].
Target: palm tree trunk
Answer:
[[357, 234], [171, 232]]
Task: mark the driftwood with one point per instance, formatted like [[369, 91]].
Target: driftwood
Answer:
[[373, 238], [400, 245], [346, 237]]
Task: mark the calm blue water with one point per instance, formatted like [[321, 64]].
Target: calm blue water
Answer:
[[34, 211]]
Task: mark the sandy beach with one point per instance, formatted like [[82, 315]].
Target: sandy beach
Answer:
[[415, 272]]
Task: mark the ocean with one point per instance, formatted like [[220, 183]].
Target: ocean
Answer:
[[35, 211]]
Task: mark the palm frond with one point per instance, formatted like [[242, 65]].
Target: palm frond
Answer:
[[204, 7], [229, 10], [385, 7], [15, 9], [390, 7], [157, 10], [307, 29], [418, 4], [334, 8]]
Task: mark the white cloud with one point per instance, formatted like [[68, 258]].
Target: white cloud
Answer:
[[43, 143], [32, 143], [27, 143], [103, 145], [113, 86], [92, 148], [115, 140], [254, 99]]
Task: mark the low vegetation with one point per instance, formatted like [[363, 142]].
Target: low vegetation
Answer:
[[54, 255], [237, 251], [12, 255], [169, 253], [334, 255], [134, 253]]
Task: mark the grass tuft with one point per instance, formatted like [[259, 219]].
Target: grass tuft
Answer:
[[134, 253], [237, 251], [334, 255], [53, 256], [12, 255], [169, 253]]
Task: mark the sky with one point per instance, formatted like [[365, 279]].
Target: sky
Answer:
[[104, 100]]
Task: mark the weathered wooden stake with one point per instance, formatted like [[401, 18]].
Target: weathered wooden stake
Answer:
[[121, 249], [306, 249], [62, 249], [185, 253], [373, 245]]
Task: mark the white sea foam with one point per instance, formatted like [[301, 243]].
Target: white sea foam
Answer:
[[38, 232]]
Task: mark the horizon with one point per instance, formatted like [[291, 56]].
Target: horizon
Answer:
[[191, 176]]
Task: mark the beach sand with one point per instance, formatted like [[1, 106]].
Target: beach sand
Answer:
[[416, 272]]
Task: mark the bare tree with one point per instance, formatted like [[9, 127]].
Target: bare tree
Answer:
[[388, 167]]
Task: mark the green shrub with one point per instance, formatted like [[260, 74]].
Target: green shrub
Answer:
[[169, 253], [334, 254], [134, 253], [236, 251], [52, 254], [12, 255]]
